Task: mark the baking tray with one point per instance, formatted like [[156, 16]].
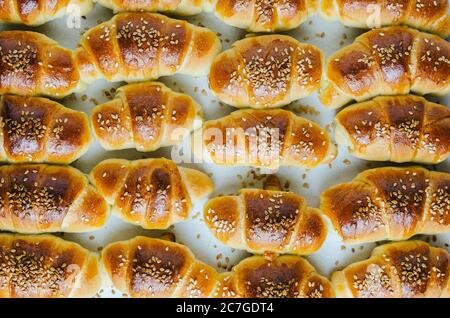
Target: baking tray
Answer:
[[334, 254]]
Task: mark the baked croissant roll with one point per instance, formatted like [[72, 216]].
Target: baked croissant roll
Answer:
[[286, 276], [40, 130], [266, 71], [389, 204], [264, 16], [387, 61], [143, 46], [411, 269], [45, 266], [37, 198], [263, 138], [268, 220], [427, 15], [33, 64], [398, 128], [152, 193], [145, 116], [38, 12], [152, 268], [177, 7]]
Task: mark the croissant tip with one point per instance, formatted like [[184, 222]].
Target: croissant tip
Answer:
[[272, 182]]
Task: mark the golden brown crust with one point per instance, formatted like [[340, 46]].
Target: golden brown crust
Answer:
[[286, 276], [389, 203], [41, 198], [264, 15], [143, 46], [153, 193], [45, 266], [396, 128], [178, 7], [435, 134], [402, 269], [266, 221], [281, 137], [33, 64], [387, 61], [432, 67], [427, 15], [37, 12], [438, 203], [224, 218], [145, 116], [226, 286], [147, 267], [266, 71], [40, 130]]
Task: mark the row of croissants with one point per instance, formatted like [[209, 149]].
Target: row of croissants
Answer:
[[48, 266], [254, 16], [263, 71], [258, 73], [147, 116]]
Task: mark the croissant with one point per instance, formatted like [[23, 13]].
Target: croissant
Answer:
[[37, 198], [45, 266], [401, 270], [33, 64], [153, 268], [153, 193], [148, 267], [263, 138], [38, 129], [143, 46], [264, 16], [400, 129], [177, 7], [266, 220], [266, 71], [38, 12], [145, 116], [427, 15], [389, 204], [286, 276], [387, 61]]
